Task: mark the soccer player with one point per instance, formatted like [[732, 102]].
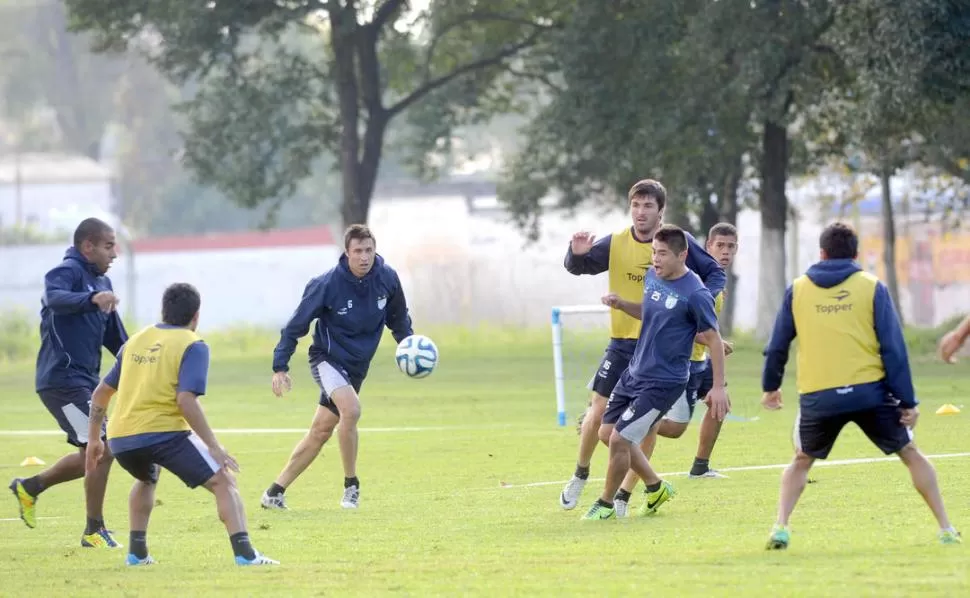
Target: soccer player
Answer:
[[852, 367], [722, 243], [158, 422], [351, 305], [953, 341], [78, 317], [625, 255], [675, 309]]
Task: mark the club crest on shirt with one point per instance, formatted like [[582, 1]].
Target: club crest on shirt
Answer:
[[671, 302], [381, 302]]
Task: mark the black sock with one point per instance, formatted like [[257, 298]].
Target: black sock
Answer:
[[653, 487], [348, 482], [700, 466], [137, 544], [603, 503], [33, 486], [93, 525], [241, 546], [623, 495], [582, 472], [276, 490]]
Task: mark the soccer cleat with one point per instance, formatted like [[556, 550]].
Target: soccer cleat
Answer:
[[950, 536], [621, 507], [653, 500], [778, 540], [599, 511], [710, 473], [133, 561], [25, 501], [259, 560], [99, 539], [351, 498], [273, 502], [569, 497]]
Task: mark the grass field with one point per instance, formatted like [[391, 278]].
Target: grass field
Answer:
[[447, 507]]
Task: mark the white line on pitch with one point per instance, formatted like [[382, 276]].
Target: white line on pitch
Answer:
[[19, 519], [818, 463], [284, 430]]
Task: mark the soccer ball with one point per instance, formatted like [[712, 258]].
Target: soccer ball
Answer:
[[417, 356]]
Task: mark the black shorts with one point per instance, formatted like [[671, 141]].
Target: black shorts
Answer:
[[608, 373], [815, 435], [184, 454], [636, 408], [329, 378], [71, 407], [706, 382]]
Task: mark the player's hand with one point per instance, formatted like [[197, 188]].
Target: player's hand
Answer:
[[719, 404], [281, 383], [106, 301], [728, 347], [908, 417], [772, 400], [224, 459], [93, 454], [581, 243], [949, 345], [611, 300]]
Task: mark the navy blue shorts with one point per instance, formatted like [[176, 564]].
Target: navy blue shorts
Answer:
[[636, 408], [815, 435], [608, 373], [683, 409], [706, 382], [71, 408], [329, 378], [184, 454]]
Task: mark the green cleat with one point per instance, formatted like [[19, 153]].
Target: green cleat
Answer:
[[950, 536], [778, 540], [653, 500], [599, 511], [25, 501]]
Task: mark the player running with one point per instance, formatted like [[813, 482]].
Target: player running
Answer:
[[722, 243], [351, 305], [158, 423], [675, 309], [78, 317], [852, 367], [625, 255]]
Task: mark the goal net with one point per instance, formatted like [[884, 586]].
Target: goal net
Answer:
[[580, 334]]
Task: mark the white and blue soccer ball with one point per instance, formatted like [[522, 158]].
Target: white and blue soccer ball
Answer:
[[417, 356]]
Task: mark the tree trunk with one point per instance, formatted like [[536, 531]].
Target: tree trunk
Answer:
[[727, 207], [889, 238], [774, 211]]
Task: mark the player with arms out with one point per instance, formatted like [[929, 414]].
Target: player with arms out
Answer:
[[158, 423], [675, 310], [351, 305], [78, 317], [625, 256], [722, 243], [852, 367]]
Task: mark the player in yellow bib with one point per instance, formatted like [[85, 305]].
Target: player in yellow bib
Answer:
[[625, 255], [853, 366], [158, 422]]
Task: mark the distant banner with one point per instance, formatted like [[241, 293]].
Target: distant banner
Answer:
[[938, 261]]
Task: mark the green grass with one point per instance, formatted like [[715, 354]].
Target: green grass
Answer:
[[435, 518]]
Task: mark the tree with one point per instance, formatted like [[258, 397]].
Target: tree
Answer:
[[279, 84]]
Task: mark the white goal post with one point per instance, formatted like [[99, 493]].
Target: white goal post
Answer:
[[557, 319]]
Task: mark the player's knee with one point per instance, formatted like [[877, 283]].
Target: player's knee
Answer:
[[605, 433], [909, 454], [802, 461], [617, 442], [321, 433], [221, 482], [597, 406], [671, 429]]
